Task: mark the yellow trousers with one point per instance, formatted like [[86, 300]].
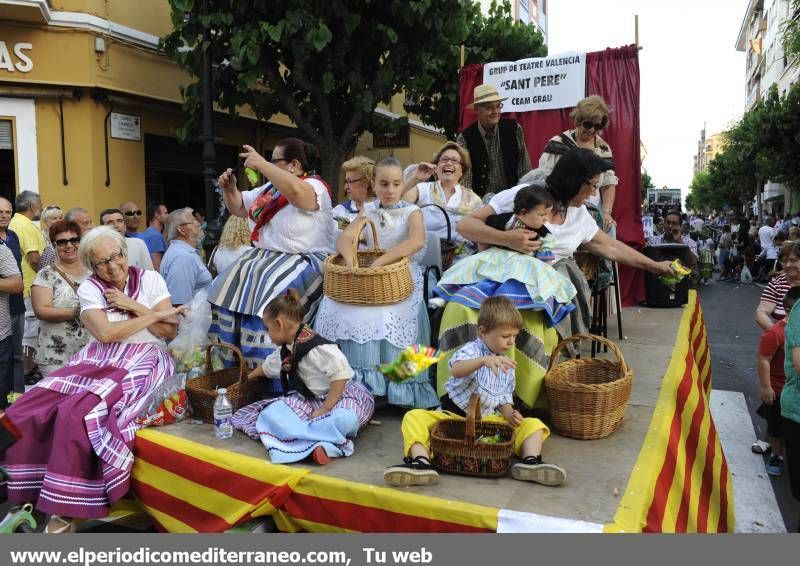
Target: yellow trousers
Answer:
[[417, 425]]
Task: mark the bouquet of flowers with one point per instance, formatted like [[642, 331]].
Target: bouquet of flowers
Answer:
[[412, 361]]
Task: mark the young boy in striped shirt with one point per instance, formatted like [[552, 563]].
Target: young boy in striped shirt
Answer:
[[479, 367]]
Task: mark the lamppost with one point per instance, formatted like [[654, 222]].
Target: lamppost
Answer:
[[213, 220]]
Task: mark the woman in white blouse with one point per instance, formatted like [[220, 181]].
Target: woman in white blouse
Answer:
[[450, 164], [292, 233]]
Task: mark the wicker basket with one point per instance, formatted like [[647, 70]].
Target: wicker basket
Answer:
[[202, 391], [455, 449], [448, 246], [588, 397], [366, 285]]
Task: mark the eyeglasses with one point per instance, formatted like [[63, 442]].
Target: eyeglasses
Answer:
[[491, 107], [453, 160], [276, 160], [588, 124], [351, 181], [116, 258], [133, 213], [62, 242]]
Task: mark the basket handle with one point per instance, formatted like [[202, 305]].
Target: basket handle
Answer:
[[577, 338], [446, 218], [237, 351], [375, 242], [473, 417]]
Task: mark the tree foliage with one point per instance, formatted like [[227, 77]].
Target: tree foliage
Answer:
[[647, 183], [791, 31], [763, 145], [494, 37], [328, 65]]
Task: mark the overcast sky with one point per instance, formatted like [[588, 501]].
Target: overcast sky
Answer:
[[690, 70]]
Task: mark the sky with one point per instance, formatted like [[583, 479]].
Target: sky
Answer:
[[691, 73]]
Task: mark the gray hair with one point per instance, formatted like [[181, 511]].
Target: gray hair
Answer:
[[26, 200], [93, 237], [48, 214], [175, 219], [70, 215]]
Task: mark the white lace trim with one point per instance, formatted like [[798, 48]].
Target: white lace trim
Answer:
[[396, 324]]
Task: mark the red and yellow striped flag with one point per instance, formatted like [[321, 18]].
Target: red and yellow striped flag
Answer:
[[681, 481]]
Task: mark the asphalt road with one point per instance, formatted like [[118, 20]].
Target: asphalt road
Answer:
[[733, 338]]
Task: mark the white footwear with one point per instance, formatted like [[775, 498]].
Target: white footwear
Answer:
[[760, 447], [532, 469]]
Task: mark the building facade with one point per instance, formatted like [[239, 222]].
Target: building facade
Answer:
[[707, 149], [89, 108], [760, 36]]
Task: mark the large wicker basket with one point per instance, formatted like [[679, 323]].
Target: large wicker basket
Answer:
[[456, 449], [448, 246], [364, 285], [202, 391], [588, 397]]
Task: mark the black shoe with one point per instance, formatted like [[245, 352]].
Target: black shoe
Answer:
[[416, 471], [533, 469], [33, 378]]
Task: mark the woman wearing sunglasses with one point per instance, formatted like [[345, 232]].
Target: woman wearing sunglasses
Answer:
[[590, 116], [55, 300]]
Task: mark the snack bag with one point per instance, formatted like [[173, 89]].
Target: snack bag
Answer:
[[252, 176], [168, 404], [412, 361], [680, 271], [188, 347]]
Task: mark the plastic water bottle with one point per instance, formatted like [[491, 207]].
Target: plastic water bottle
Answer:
[[222, 415]]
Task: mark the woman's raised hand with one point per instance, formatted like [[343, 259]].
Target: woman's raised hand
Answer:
[[227, 180], [424, 170], [252, 158]]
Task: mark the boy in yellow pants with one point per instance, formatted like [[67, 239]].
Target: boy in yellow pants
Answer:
[[481, 367]]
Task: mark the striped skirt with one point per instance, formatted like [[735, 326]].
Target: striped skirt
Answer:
[[239, 295], [75, 455], [289, 435]]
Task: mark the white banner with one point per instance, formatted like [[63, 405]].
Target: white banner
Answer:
[[542, 83]]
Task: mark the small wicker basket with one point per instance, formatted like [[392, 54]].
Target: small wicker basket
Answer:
[[364, 285], [202, 391], [588, 397], [456, 450], [448, 246]]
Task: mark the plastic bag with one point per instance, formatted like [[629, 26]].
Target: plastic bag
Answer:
[[168, 404], [746, 278], [188, 347]]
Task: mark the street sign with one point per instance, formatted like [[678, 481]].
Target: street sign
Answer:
[[126, 127]]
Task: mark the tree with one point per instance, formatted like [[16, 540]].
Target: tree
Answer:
[[791, 31], [496, 37], [326, 65], [647, 183]]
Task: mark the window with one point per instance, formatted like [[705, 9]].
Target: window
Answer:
[[8, 174], [524, 13]]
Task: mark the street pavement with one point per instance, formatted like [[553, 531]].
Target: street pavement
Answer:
[[733, 338]]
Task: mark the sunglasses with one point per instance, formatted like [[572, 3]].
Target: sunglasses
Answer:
[[62, 242], [588, 124], [133, 213]]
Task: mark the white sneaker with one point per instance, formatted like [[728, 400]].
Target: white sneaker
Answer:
[[760, 447]]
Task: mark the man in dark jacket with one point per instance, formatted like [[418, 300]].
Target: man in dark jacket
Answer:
[[496, 145]]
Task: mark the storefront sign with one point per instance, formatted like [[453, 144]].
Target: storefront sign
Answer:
[[539, 84], [126, 127], [13, 57]]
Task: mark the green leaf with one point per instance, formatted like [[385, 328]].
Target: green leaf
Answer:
[[328, 82], [319, 36]]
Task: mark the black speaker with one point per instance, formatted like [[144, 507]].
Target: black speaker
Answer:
[[656, 293]]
